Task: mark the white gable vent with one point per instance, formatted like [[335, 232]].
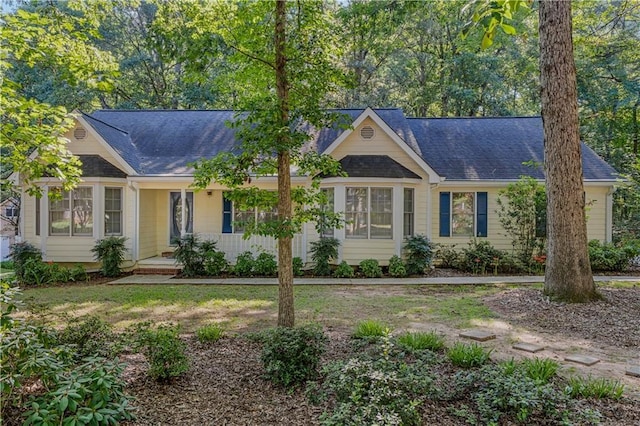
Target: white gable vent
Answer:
[[79, 133], [367, 132]]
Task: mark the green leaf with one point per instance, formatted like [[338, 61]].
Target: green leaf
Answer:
[[508, 29]]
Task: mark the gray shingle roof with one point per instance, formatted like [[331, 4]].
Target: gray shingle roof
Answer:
[[486, 148], [164, 142]]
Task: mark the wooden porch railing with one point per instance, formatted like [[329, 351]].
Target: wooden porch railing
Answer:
[[233, 244]]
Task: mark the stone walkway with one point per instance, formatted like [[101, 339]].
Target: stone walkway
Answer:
[[472, 280]]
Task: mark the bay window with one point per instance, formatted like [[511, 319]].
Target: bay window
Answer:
[[113, 211], [369, 213], [72, 213]]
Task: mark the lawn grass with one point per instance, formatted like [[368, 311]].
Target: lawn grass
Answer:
[[243, 307]]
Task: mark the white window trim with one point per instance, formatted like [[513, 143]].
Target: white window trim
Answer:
[[474, 232], [121, 211], [369, 188], [71, 233]]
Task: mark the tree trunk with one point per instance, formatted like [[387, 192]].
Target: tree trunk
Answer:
[[568, 274], [286, 316]]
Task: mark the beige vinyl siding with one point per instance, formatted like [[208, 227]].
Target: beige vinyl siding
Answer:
[[70, 249], [596, 198], [148, 245], [207, 215], [90, 146], [380, 144], [28, 207], [355, 251]]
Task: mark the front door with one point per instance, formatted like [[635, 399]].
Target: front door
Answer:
[[177, 215]]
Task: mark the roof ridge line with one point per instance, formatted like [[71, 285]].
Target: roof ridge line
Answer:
[[474, 117], [105, 123]]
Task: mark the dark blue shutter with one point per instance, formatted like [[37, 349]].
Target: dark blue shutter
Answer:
[[481, 215], [226, 215], [445, 214]]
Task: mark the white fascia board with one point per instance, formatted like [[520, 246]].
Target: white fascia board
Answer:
[[369, 113], [504, 182], [189, 178], [367, 180], [130, 171]]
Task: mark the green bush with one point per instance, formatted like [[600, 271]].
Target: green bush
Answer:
[[609, 257], [448, 257], [265, 264], [7, 264], [468, 355], [35, 272], [89, 393], [480, 257], [370, 268], [291, 355], [396, 267], [78, 273], [369, 329], [215, 263], [209, 333], [188, 254], [420, 341], [589, 387], [21, 254], [419, 254], [90, 336], [110, 251], [344, 270], [322, 252], [165, 352], [298, 266], [244, 264]]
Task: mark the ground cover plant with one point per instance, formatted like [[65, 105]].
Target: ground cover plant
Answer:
[[227, 378]]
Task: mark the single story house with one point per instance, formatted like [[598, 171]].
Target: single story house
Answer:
[[434, 176]]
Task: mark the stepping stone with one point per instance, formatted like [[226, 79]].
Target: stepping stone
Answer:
[[582, 359], [528, 347], [633, 370], [479, 335]]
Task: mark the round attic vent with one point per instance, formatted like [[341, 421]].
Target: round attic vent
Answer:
[[367, 132], [79, 133]]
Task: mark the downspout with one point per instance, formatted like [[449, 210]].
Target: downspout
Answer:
[[608, 216], [136, 232]]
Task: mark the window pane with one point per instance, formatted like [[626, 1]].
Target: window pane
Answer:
[[60, 215], [83, 211], [113, 211], [356, 213], [408, 213], [326, 230], [462, 213], [381, 212], [242, 218]]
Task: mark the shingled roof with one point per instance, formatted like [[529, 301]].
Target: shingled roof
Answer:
[[164, 142]]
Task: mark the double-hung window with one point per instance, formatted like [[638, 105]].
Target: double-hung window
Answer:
[[369, 213], [409, 213], [463, 214], [72, 213], [113, 211], [325, 229]]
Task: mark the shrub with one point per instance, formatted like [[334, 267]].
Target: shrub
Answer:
[[344, 270], [244, 264], [7, 264], [541, 370], [209, 333], [35, 272], [609, 257], [21, 254], [479, 257], [265, 264], [92, 393], [215, 263], [590, 387], [165, 352], [90, 336], [468, 355], [448, 257], [322, 252], [89, 393], [110, 251], [291, 355], [370, 268], [396, 267], [421, 341], [78, 273], [369, 329], [188, 254], [298, 266], [419, 254]]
